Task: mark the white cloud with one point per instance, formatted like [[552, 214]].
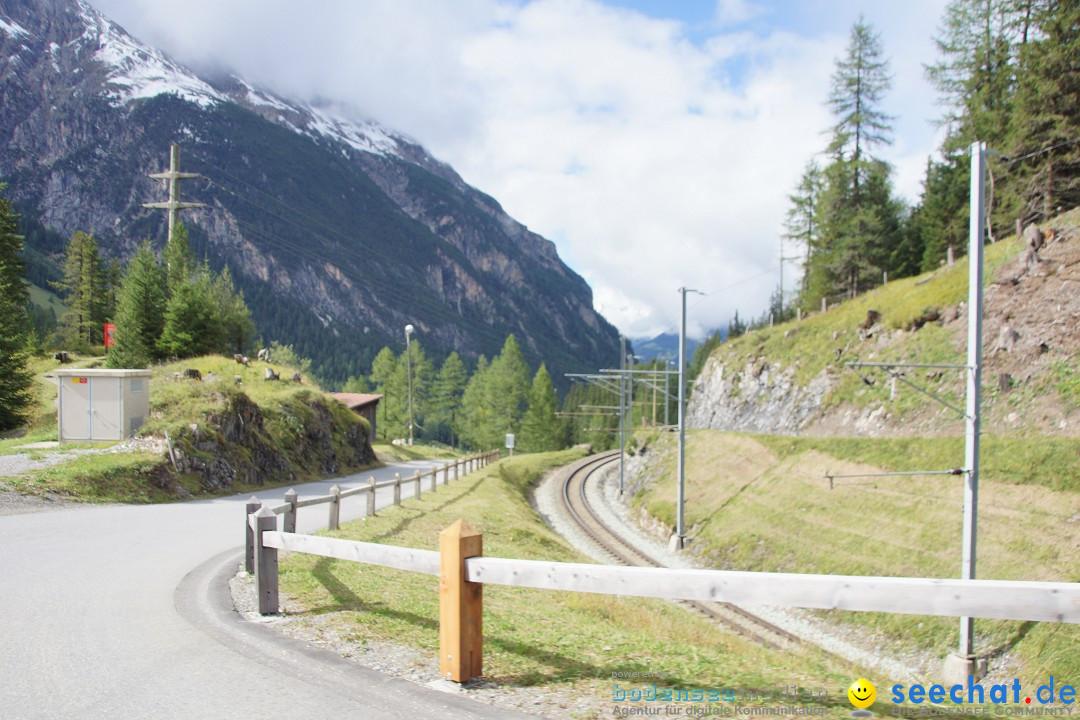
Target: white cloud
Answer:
[[654, 161]]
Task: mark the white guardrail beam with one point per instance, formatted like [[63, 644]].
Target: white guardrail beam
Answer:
[[1004, 599]]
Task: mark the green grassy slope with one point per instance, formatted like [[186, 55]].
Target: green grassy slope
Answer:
[[567, 640], [226, 437]]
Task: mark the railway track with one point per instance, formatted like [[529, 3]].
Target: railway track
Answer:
[[580, 510]]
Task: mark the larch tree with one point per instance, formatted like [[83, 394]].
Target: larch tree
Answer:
[[445, 402], [84, 290], [857, 217], [540, 427]]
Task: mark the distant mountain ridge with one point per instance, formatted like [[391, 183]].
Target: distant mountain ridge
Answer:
[[664, 346], [339, 232]]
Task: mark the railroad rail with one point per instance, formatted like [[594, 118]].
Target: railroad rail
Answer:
[[580, 509]]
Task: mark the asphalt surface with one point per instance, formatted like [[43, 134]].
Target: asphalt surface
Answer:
[[122, 612]]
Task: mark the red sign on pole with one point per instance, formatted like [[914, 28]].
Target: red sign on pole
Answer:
[[110, 331]]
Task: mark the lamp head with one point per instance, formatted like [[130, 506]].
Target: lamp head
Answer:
[[409, 329]]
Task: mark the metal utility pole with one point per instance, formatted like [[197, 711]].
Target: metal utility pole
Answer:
[[679, 541], [174, 176], [974, 386], [408, 371], [622, 411]]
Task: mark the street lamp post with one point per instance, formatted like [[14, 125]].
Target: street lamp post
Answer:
[[408, 372]]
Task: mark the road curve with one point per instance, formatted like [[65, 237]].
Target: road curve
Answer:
[[121, 612]]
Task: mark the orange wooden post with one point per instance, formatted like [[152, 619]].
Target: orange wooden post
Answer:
[[460, 605]]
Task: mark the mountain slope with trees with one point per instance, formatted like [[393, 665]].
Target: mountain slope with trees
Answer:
[[337, 232]]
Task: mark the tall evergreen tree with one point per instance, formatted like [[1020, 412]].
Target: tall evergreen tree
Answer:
[[479, 429], [1044, 126], [800, 225], [540, 428], [445, 403], [84, 290], [140, 312], [192, 326], [510, 389], [387, 380], [15, 379], [177, 259], [237, 327], [857, 218]]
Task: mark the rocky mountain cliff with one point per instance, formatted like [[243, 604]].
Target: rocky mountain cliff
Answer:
[[794, 379], [338, 231]]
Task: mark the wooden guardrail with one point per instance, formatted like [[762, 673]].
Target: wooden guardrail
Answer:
[[292, 501], [463, 572]]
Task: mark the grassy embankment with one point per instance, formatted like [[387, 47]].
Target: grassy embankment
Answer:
[[811, 346], [534, 637], [763, 503], [293, 433]]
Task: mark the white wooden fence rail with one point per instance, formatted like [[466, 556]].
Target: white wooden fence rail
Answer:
[[391, 556], [461, 576], [1000, 599]]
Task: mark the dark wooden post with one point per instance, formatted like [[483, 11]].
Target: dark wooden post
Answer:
[[335, 507], [371, 497], [290, 514], [253, 506], [419, 492], [460, 605], [457, 464], [266, 563], [397, 488]]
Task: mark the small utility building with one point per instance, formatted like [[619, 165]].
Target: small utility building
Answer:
[[363, 404], [105, 405]]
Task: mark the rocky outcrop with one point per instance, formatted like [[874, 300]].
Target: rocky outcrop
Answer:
[[235, 447], [758, 397]]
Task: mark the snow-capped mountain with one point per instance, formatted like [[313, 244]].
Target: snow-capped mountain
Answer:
[[339, 230]]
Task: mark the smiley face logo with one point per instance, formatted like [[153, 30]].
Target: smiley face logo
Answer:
[[862, 693]]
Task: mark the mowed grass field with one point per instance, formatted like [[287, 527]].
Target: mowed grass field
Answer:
[[571, 641], [764, 503]]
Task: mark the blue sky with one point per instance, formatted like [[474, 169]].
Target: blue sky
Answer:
[[654, 142]]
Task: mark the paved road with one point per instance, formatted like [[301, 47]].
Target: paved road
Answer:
[[121, 612]]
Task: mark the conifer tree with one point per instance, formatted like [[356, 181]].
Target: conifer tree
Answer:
[[388, 381], [509, 388], [140, 312], [858, 220], [237, 327], [1044, 124], [541, 430], [15, 379], [445, 401], [191, 323], [84, 291], [177, 259], [478, 426]]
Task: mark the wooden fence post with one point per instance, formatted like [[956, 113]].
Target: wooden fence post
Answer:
[[446, 474], [290, 514], [335, 508], [397, 488], [266, 563], [371, 496], [419, 492], [434, 478], [253, 506], [460, 605], [457, 463]]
